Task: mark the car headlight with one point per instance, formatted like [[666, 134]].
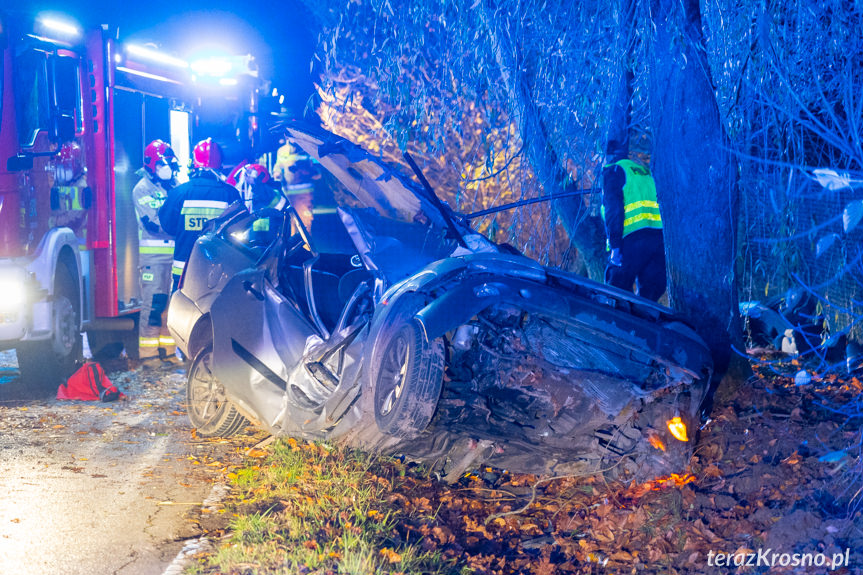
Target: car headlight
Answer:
[[677, 428], [13, 289]]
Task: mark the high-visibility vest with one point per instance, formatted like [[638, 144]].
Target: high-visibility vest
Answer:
[[640, 208]]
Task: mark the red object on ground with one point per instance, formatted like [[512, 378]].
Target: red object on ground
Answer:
[[89, 383]]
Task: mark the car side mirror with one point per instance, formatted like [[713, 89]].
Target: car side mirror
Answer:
[[19, 163]]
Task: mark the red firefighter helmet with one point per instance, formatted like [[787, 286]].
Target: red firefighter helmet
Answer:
[[71, 158], [252, 174], [158, 151], [207, 154]]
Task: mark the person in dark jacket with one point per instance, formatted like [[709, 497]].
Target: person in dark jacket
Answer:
[[633, 225], [192, 204]]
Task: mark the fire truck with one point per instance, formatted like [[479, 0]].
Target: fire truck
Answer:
[[77, 108]]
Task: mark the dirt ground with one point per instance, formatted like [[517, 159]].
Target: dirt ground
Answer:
[[124, 487], [103, 488]]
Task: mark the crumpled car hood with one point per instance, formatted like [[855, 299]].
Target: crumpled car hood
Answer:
[[372, 182]]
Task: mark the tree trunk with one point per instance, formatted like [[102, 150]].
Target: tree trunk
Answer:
[[621, 110], [587, 234], [696, 181]]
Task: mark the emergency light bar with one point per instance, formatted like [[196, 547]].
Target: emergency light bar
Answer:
[[147, 75], [155, 56], [64, 28]]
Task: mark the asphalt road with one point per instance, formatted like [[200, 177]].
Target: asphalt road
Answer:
[[103, 488]]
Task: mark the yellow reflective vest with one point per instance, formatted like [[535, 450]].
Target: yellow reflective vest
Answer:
[[640, 208]]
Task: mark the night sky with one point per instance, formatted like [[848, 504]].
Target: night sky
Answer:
[[279, 34]]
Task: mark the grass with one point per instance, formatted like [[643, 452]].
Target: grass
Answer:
[[309, 509]]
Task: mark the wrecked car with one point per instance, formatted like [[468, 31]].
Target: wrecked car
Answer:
[[380, 318]]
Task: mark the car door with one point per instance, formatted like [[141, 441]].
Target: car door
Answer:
[[259, 335]]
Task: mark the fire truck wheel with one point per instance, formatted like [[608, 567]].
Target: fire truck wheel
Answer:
[[48, 363]]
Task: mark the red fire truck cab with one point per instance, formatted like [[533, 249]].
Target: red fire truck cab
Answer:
[[77, 109]]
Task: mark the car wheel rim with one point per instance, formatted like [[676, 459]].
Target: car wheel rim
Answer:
[[66, 326], [393, 373], [208, 395]]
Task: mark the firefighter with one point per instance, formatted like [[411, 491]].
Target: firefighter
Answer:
[[633, 225], [155, 249], [258, 192], [286, 156], [299, 187], [192, 204], [70, 194]]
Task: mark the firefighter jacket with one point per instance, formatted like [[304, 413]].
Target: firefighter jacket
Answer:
[[148, 196], [628, 201], [190, 206], [69, 207]]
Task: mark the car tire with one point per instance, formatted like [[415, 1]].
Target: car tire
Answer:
[[49, 363], [210, 411], [408, 380]]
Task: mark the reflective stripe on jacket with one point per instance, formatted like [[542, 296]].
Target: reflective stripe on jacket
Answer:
[[156, 247], [191, 205], [640, 208]]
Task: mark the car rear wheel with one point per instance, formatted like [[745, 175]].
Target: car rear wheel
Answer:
[[209, 409], [408, 382]]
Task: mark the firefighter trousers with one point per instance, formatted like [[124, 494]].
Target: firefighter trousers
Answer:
[[154, 340]]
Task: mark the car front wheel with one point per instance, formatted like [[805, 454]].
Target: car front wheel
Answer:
[[408, 382], [209, 409]]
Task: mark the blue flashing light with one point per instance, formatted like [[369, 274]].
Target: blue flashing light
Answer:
[[213, 67]]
